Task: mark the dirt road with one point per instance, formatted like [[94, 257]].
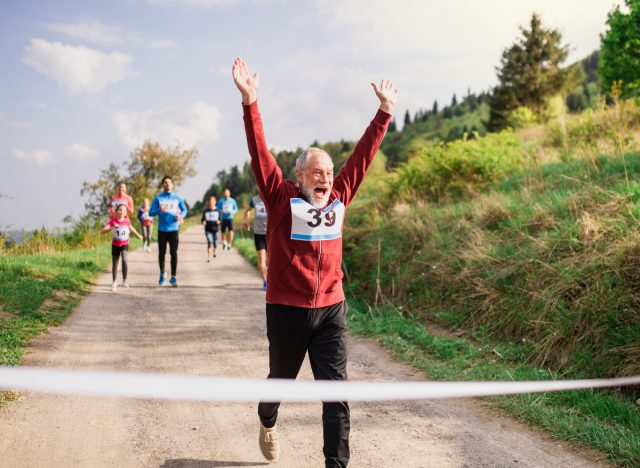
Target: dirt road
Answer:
[[213, 324]]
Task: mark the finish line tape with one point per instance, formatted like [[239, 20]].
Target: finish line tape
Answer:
[[202, 388]]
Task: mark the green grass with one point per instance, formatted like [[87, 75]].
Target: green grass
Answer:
[[246, 247], [40, 290]]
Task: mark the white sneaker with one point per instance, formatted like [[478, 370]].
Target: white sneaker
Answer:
[[114, 286], [126, 284]]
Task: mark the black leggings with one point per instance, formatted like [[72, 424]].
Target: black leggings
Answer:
[[173, 239], [116, 253], [294, 331]]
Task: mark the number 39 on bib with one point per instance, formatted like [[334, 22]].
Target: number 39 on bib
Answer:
[[309, 223]]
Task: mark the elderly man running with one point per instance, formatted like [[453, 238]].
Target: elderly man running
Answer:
[[306, 308]]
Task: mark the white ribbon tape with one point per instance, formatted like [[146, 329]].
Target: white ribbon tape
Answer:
[[201, 388]]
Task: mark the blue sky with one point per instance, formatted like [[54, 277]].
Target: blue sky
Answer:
[[83, 83]]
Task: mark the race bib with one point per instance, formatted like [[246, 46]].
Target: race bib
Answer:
[[227, 208], [261, 211], [309, 223], [169, 206], [117, 202], [211, 216], [120, 233], [145, 216]]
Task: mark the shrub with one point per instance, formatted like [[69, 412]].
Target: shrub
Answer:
[[459, 168]]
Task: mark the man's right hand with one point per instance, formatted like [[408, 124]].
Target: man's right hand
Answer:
[[245, 82]]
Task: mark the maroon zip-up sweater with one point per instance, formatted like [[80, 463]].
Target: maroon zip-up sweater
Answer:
[[305, 273]]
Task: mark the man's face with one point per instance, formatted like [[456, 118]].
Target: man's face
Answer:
[[123, 189], [316, 179], [167, 184], [227, 193]]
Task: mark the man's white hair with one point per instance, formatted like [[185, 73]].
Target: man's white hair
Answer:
[[301, 162]]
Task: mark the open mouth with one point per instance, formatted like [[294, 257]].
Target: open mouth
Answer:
[[320, 192]]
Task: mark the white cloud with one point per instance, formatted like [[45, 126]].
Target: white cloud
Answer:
[[163, 44], [81, 153], [91, 31], [193, 126], [77, 69], [37, 157]]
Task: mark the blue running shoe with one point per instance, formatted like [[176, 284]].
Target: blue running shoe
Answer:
[[162, 279], [174, 282]]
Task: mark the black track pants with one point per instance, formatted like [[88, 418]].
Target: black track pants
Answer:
[[173, 239], [292, 331]]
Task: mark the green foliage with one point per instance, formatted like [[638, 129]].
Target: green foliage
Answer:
[[530, 73], [619, 47], [547, 260], [522, 117], [147, 165], [467, 117], [460, 167]]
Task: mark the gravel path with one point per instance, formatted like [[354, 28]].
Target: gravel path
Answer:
[[213, 324]]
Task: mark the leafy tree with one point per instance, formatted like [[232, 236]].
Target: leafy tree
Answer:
[[619, 45], [529, 73], [147, 165]]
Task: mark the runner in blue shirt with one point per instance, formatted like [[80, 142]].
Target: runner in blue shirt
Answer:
[[171, 211], [228, 207]]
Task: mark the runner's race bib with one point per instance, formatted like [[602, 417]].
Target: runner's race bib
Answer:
[[169, 206], [145, 216], [211, 216], [261, 211], [309, 223], [117, 202], [227, 208], [120, 233]]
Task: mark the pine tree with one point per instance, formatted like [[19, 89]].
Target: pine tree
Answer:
[[434, 110], [407, 118], [392, 126], [529, 73]]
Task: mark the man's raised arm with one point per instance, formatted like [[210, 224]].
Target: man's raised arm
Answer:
[[354, 170], [263, 164]]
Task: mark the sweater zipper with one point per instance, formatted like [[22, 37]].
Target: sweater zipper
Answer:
[[315, 298]]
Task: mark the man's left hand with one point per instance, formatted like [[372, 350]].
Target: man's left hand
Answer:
[[387, 94]]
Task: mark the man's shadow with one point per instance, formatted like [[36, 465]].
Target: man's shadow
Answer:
[[190, 463]]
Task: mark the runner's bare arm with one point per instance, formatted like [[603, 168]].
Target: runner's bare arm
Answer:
[[106, 228], [246, 218], [135, 232], [246, 83]]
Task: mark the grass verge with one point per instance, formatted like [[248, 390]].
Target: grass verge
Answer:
[[40, 290]]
